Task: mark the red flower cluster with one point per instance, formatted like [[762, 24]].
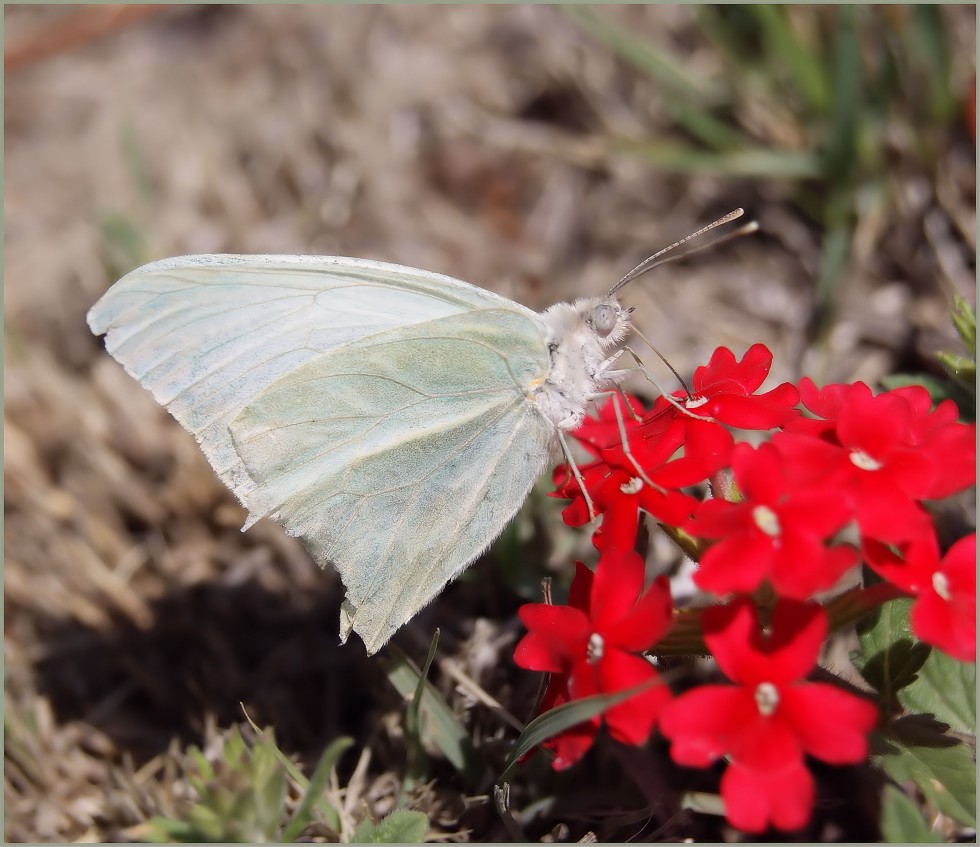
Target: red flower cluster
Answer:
[[847, 460]]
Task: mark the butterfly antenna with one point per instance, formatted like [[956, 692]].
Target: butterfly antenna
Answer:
[[656, 259], [663, 359]]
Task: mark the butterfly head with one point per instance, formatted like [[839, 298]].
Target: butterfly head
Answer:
[[606, 318]]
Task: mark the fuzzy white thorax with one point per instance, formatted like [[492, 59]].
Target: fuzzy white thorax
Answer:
[[581, 364]]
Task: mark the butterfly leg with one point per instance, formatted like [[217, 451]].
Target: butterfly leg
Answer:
[[624, 438], [573, 466]]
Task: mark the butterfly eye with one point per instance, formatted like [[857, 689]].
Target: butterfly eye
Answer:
[[603, 319]]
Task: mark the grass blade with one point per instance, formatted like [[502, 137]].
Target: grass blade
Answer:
[[314, 790], [564, 717]]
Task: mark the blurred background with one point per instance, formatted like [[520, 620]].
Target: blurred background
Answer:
[[538, 151]]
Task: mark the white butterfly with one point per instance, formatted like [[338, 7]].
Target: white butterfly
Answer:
[[392, 419]]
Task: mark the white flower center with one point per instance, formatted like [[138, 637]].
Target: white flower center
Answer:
[[863, 461], [631, 487], [596, 648], [767, 520], [766, 698], [941, 584], [695, 402]]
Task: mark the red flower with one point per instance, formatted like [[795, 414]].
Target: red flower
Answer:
[[595, 434], [825, 403], [930, 454], [771, 717], [945, 611], [724, 390], [592, 644], [871, 455], [618, 496], [775, 532], [950, 445], [615, 484]]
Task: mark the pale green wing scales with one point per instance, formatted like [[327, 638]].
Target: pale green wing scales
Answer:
[[400, 457], [206, 334]]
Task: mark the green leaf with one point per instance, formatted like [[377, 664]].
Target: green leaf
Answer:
[[958, 367], [441, 727], [312, 797], [901, 820], [965, 322], [917, 748], [564, 717], [413, 719], [330, 815], [947, 689], [890, 656], [400, 827]]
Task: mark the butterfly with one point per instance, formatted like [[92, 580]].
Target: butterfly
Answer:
[[392, 419]]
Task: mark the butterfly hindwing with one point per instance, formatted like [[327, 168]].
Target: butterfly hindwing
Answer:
[[399, 458]]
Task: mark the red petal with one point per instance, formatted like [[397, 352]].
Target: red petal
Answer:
[[556, 635], [757, 411], [703, 723], [616, 586], [802, 566], [885, 513], [831, 724], [954, 631], [580, 591], [620, 523], [672, 508], [824, 402], [796, 633], [874, 425], [633, 720], [765, 742], [912, 568], [731, 631], [646, 623], [723, 373], [736, 565], [954, 453], [808, 460], [819, 512], [759, 473], [707, 448], [753, 800], [572, 744], [718, 518], [733, 635]]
